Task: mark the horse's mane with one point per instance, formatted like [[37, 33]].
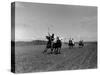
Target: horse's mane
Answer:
[[47, 37]]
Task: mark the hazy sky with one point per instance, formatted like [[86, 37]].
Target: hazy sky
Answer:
[[32, 21]]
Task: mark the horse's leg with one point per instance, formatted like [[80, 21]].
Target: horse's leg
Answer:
[[83, 45], [59, 50], [72, 46], [45, 50], [69, 47], [51, 50], [55, 50]]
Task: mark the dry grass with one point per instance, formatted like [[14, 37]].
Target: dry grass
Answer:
[[31, 59]]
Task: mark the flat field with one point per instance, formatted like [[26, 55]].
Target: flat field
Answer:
[[29, 58]]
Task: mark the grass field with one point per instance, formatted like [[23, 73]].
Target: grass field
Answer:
[[31, 59]]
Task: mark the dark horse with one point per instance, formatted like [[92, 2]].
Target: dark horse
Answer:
[[81, 44], [54, 46], [57, 46], [71, 44]]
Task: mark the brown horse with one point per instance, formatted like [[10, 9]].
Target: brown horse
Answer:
[[71, 44], [54, 46], [81, 44]]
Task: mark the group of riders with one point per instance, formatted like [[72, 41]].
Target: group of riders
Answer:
[[55, 44]]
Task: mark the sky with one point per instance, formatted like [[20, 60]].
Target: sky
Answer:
[[33, 21]]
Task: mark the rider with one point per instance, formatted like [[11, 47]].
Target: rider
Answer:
[[50, 39], [70, 40], [81, 41], [73, 41], [58, 40], [51, 36]]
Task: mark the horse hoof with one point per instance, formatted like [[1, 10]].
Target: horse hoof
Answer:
[[59, 53], [44, 52], [51, 52]]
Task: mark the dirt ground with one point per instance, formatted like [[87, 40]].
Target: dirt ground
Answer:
[[31, 59]]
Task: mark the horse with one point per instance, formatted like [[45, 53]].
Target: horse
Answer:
[[54, 46], [81, 44], [57, 46], [71, 44]]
